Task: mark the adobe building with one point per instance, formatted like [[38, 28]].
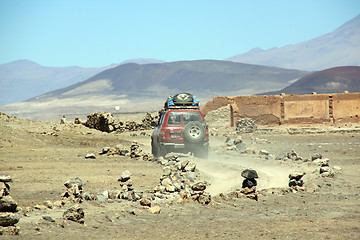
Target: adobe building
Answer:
[[329, 109]]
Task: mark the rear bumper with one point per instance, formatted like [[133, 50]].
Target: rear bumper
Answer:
[[182, 145]]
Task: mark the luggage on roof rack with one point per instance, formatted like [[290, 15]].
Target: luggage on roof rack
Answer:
[[181, 101]]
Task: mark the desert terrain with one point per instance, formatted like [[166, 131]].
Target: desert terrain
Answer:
[[40, 156]]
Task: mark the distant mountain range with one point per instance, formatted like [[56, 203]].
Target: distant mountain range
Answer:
[[142, 84], [333, 80], [23, 79], [210, 77], [338, 48]]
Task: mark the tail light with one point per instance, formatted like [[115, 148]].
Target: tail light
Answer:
[[162, 134], [206, 133]]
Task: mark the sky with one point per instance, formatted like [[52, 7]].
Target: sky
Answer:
[[91, 33]]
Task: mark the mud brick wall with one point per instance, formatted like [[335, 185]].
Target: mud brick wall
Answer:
[[327, 109]]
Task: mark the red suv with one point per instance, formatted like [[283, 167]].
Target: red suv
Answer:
[[181, 128]]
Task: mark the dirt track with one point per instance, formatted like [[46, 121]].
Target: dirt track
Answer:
[[41, 156]]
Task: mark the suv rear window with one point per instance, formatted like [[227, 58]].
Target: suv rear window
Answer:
[[186, 117]]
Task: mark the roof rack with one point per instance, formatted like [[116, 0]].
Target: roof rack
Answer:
[[182, 107]]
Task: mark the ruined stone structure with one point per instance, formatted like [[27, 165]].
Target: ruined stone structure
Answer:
[[329, 109]]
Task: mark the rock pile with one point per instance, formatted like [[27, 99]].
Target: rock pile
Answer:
[[135, 150], [8, 207], [295, 180], [248, 189], [105, 122], [75, 213], [245, 125], [74, 191], [235, 144], [127, 191], [324, 167], [181, 178]]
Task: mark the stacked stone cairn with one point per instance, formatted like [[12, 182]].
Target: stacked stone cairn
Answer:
[[135, 150], [105, 122], [245, 125], [74, 191], [295, 181], [127, 191], [324, 168], [181, 178], [248, 189], [8, 208]]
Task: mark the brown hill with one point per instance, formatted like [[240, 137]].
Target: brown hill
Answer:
[[332, 80]]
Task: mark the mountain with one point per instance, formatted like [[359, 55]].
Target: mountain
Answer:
[[337, 48], [333, 80], [135, 87], [23, 79], [206, 76]]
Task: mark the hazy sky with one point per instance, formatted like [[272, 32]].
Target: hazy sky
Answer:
[[90, 33]]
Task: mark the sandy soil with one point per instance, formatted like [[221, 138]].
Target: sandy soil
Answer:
[[40, 156]]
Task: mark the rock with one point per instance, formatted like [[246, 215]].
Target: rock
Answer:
[[249, 183], [324, 169], [75, 213], [316, 156], [9, 230], [166, 171], [145, 202], [74, 181], [204, 199], [293, 182], [103, 196], [245, 125], [49, 204], [191, 176], [296, 175], [8, 219], [166, 182], [200, 186], [184, 164], [48, 218], [190, 167], [170, 188], [4, 189], [105, 150], [249, 173], [264, 152], [5, 178], [125, 176], [90, 156], [155, 209], [7, 204]]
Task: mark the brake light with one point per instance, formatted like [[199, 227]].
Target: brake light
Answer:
[[162, 134], [206, 133]]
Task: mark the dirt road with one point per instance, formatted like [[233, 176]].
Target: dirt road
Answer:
[[41, 156]]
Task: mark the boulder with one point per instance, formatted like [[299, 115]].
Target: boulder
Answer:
[[125, 176], [5, 178], [200, 186], [8, 219], [75, 213], [249, 174], [74, 181], [10, 230], [4, 189], [7, 204], [296, 175]]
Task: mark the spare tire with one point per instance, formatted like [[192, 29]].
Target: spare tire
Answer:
[[194, 132], [183, 99]]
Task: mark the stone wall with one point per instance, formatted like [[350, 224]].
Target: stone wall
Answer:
[[330, 109]]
